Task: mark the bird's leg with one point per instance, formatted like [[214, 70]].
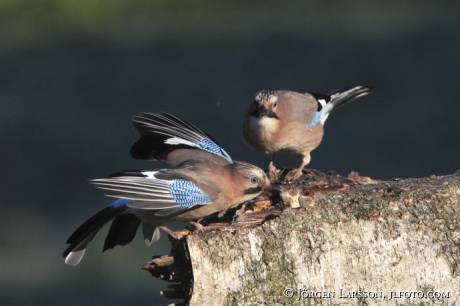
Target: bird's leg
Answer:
[[296, 173], [271, 168], [198, 226], [169, 232]]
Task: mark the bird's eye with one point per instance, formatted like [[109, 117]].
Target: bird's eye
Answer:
[[254, 179], [275, 104]]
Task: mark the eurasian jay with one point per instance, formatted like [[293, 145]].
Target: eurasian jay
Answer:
[[290, 122], [203, 181]]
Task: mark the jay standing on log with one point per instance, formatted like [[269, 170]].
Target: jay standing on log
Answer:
[[290, 122], [204, 180]]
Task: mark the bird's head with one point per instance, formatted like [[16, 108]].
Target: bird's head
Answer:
[[265, 104], [255, 180]]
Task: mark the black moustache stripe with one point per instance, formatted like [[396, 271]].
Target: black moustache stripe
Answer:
[[253, 190]]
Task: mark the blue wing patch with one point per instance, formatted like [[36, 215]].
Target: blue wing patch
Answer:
[[209, 146], [314, 121], [185, 193]]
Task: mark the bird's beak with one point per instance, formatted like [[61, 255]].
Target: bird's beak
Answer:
[[273, 188]]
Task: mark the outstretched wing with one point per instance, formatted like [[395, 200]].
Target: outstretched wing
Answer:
[[147, 191], [163, 133]]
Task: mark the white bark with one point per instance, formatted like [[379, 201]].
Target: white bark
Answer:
[[400, 236]]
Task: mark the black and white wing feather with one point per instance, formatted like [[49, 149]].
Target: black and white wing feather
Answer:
[[161, 133], [149, 192]]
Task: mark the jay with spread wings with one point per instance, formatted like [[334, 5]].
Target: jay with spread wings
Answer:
[[203, 180]]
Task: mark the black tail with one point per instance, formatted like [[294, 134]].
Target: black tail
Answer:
[[344, 95], [86, 232], [122, 231]]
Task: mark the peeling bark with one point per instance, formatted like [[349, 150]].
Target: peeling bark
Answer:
[[392, 241]]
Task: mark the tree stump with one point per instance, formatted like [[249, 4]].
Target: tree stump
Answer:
[[331, 240]]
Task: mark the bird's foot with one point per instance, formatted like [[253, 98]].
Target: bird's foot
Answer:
[[294, 174], [198, 227]]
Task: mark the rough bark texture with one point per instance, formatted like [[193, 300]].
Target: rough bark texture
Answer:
[[393, 241]]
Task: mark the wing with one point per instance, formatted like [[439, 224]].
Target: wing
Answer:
[[149, 191], [162, 133]]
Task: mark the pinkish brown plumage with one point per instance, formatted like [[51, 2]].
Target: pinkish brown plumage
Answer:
[[203, 180], [290, 122]]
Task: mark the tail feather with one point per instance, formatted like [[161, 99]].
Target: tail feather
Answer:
[[151, 233], [74, 254], [86, 232], [122, 231], [344, 95]]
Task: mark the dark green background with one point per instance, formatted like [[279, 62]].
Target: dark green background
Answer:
[[73, 73]]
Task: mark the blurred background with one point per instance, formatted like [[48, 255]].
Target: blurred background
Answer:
[[73, 73]]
